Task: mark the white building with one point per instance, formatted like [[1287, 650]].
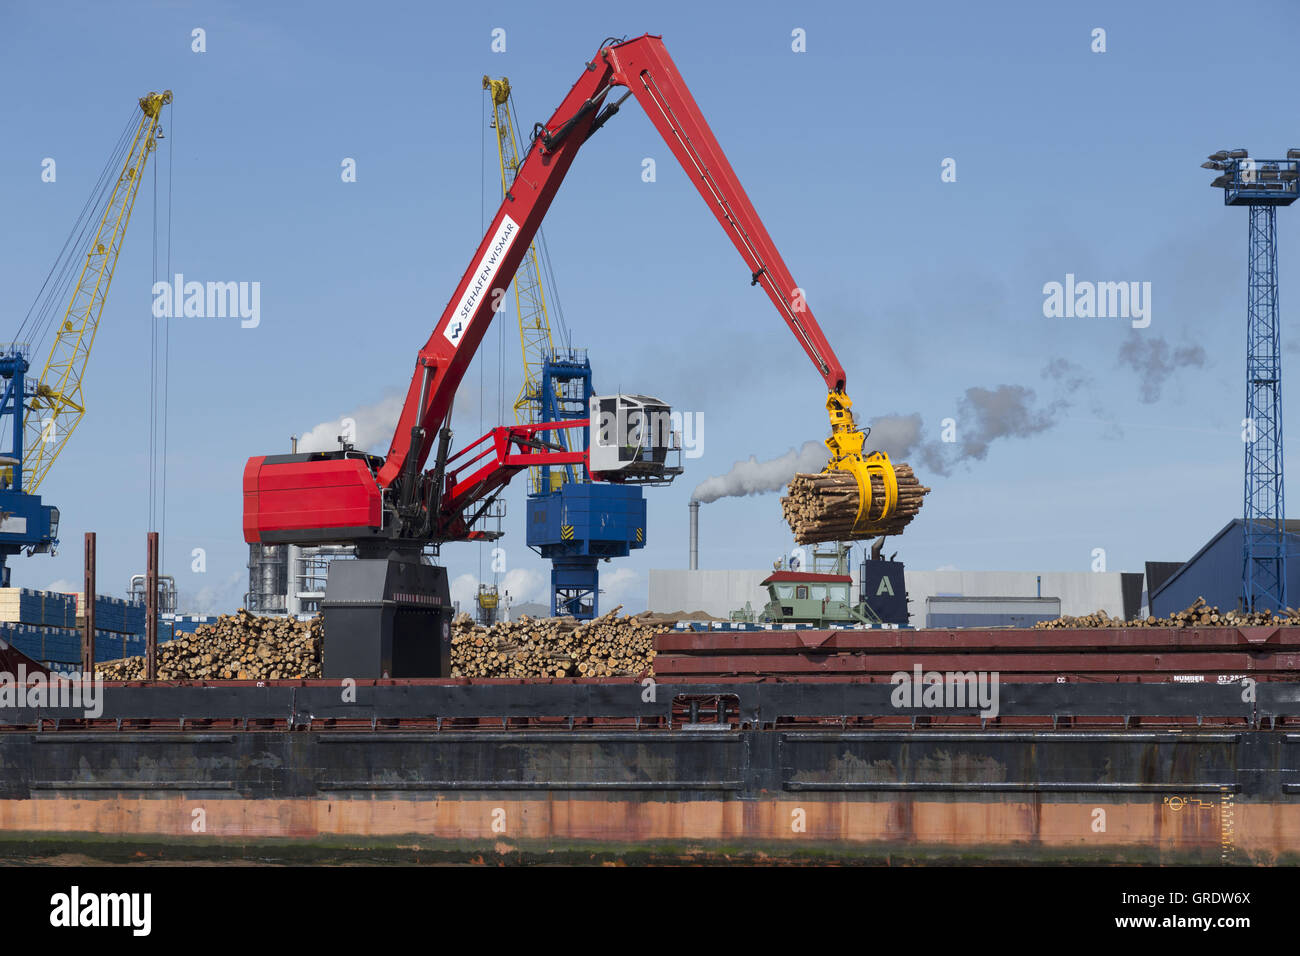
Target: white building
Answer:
[[720, 592]]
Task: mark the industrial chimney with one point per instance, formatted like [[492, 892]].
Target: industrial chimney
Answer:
[[695, 535]]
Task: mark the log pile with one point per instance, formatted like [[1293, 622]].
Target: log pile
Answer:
[[607, 646], [240, 646], [823, 507], [1199, 614], [243, 646]]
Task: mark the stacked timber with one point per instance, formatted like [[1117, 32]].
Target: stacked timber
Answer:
[[240, 646], [607, 646], [40, 608], [823, 507], [1199, 614], [244, 646]]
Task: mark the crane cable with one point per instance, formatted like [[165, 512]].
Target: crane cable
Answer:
[[53, 294], [167, 341], [562, 326], [151, 524], [159, 370]]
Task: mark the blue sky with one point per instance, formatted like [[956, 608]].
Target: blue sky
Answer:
[[1067, 161]]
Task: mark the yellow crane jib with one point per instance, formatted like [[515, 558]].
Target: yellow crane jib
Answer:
[[535, 340], [57, 405], [500, 89], [845, 445]]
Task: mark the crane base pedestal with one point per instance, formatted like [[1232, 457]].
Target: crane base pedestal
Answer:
[[575, 587], [387, 617]]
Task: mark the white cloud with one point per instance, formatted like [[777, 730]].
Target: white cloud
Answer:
[[373, 427], [222, 597], [620, 586], [463, 590], [524, 584]]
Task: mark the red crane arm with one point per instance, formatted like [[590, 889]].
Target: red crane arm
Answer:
[[443, 360], [644, 67]]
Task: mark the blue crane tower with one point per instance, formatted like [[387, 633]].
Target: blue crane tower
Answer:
[[575, 523], [26, 524], [1261, 185]]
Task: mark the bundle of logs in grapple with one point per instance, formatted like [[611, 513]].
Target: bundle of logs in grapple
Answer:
[[824, 507], [240, 646], [1199, 614], [607, 646]]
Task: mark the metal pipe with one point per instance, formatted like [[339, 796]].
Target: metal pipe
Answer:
[[151, 609], [695, 535], [88, 604], [292, 605]]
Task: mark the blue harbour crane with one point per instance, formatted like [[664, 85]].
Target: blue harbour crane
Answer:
[[1261, 185]]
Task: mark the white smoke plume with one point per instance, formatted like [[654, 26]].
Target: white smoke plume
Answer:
[[1007, 411], [1155, 362], [372, 427], [895, 435], [982, 417], [754, 477]]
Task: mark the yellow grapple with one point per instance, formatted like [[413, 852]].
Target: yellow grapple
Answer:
[[845, 446]]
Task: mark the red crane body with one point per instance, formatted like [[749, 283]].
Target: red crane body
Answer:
[[348, 496]]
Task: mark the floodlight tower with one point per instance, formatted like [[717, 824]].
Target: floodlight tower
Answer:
[[1261, 185]]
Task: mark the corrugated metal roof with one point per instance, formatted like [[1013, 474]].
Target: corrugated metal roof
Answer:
[[806, 577]]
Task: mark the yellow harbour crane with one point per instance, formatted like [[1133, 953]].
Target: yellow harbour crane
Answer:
[[56, 405], [535, 337], [38, 414]]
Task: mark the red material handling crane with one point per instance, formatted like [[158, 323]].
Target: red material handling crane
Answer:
[[390, 505]]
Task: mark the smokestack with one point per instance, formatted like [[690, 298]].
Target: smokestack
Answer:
[[695, 535]]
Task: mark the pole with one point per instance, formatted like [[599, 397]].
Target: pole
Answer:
[[88, 605], [695, 535], [151, 609]]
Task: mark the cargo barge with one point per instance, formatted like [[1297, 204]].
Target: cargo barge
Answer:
[[1176, 746]]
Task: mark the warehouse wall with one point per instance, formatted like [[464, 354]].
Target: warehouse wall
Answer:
[[720, 592], [715, 592], [1080, 592], [1214, 573]]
